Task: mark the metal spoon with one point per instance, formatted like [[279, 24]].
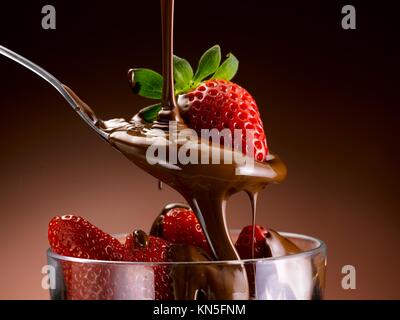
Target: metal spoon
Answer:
[[72, 101]]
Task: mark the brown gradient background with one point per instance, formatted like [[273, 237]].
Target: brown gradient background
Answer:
[[329, 99]]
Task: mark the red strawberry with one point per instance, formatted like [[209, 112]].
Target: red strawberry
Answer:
[[92, 281], [179, 225], [139, 247], [221, 104], [73, 236], [208, 99], [88, 281], [244, 243], [244, 247]]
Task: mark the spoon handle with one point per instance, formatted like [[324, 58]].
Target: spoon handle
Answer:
[[55, 83]]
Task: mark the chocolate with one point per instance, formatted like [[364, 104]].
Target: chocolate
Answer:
[[169, 110], [279, 245], [140, 239], [206, 187], [204, 281], [83, 107], [157, 228]]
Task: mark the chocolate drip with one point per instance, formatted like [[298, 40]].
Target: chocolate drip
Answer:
[[169, 110], [84, 108], [206, 187], [204, 281], [253, 199], [251, 273]]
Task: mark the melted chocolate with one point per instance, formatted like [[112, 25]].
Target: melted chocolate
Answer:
[[157, 227], [204, 281], [83, 107], [206, 187], [169, 111], [213, 281], [279, 245]]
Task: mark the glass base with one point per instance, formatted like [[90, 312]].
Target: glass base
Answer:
[[294, 277]]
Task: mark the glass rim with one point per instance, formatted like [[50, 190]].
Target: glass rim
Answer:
[[320, 248]]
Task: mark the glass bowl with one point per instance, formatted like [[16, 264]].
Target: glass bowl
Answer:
[[293, 277]]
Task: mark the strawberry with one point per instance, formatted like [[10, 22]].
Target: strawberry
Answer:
[[179, 225], [73, 236], [208, 99], [87, 281], [221, 104], [139, 247], [244, 245], [92, 281]]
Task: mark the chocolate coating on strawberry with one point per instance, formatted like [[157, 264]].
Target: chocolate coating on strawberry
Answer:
[[267, 243], [208, 99], [245, 247], [157, 228], [142, 248], [178, 224]]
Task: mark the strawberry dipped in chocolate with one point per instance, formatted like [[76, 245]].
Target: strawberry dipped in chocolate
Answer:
[[208, 99], [178, 224]]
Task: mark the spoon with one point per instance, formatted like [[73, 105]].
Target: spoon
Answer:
[[63, 90]]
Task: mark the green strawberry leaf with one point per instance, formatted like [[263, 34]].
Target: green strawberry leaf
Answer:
[[147, 83], [208, 64], [150, 113], [183, 73], [228, 69]]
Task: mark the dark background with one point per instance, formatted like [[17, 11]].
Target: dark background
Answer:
[[329, 100]]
